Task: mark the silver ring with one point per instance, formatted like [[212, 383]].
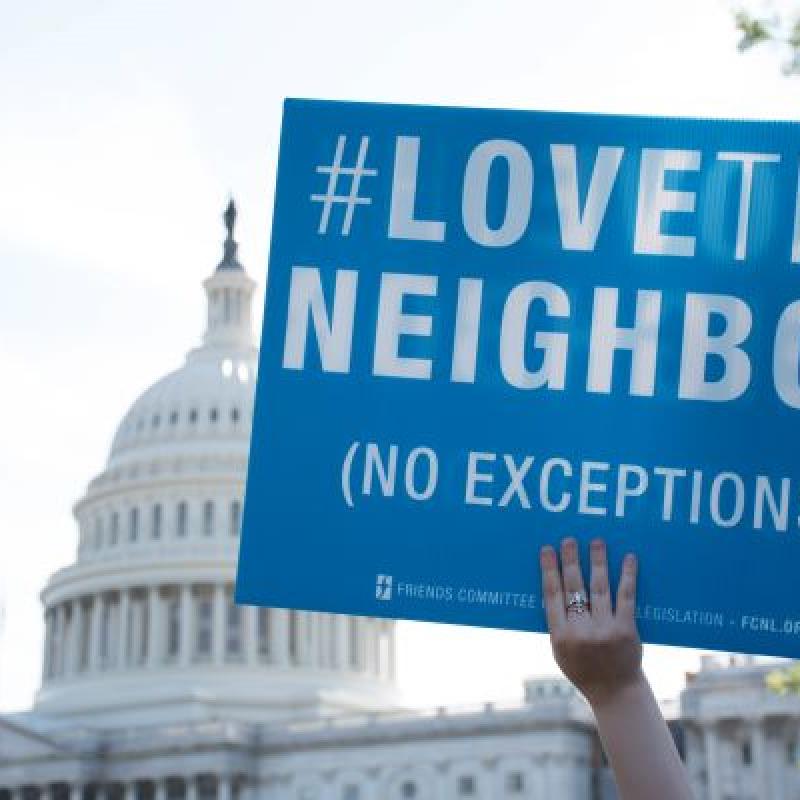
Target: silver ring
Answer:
[[578, 602]]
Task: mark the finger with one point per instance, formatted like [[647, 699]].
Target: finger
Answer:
[[598, 582], [552, 591], [571, 567], [626, 592]]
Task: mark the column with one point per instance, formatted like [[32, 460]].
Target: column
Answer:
[[94, 639], [370, 645], [323, 639], [76, 791], [218, 623], [224, 788], [122, 628], [711, 742], [391, 667], [75, 628], [342, 643], [760, 756], [251, 634], [392, 653], [185, 656], [377, 646], [359, 636], [191, 787], [47, 661], [160, 789], [279, 644], [129, 791], [304, 633], [153, 626]]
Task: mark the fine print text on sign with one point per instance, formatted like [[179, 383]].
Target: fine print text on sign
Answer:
[[486, 330]]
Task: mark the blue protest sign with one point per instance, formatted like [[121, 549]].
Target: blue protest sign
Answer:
[[486, 330]]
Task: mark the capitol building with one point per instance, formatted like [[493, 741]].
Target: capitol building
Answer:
[[157, 686]]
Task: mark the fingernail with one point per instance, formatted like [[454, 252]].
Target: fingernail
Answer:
[[598, 543], [630, 560]]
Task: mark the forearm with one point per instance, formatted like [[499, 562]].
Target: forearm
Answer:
[[639, 745]]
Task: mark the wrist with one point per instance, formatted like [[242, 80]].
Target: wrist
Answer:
[[634, 688]]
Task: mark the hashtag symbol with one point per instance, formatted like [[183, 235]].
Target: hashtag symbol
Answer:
[[351, 200]]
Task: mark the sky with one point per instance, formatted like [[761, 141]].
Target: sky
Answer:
[[125, 126]]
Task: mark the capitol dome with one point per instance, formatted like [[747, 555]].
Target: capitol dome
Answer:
[[142, 627]]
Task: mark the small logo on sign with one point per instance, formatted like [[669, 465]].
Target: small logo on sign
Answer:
[[383, 587]]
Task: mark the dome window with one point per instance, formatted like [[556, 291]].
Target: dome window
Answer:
[[227, 368], [466, 785], [182, 518], [114, 528], [193, 416], [157, 520], [263, 631], [236, 517], [203, 626], [208, 518], [133, 527], [173, 626], [294, 636], [156, 420], [213, 414], [140, 425], [234, 415], [408, 790], [515, 783], [173, 418], [233, 627], [242, 372]]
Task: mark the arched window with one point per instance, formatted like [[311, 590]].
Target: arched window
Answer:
[[213, 415], [208, 518], [236, 518], [515, 783], [157, 521], [182, 518], [193, 416], [98, 533], [133, 526], [234, 415], [114, 537], [233, 627], [263, 631]]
